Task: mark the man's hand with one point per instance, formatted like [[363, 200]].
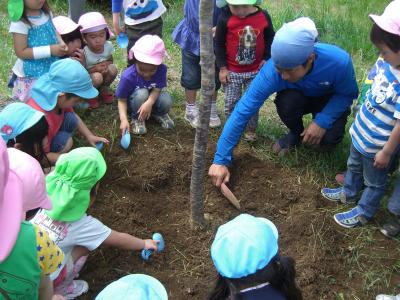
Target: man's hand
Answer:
[[218, 174], [224, 75], [381, 160], [313, 134]]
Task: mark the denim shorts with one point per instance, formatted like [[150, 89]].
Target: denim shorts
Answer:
[[191, 72], [66, 131]]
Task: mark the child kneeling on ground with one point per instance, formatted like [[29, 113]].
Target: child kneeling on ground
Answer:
[[246, 255], [72, 187], [140, 91]]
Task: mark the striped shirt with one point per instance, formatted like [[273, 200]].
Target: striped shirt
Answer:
[[377, 117]]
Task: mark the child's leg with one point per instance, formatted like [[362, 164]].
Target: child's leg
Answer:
[[134, 102], [353, 181], [76, 8], [108, 78], [97, 79], [233, 92], [161, 109], [62, 141], [394, 201], [253, 122]]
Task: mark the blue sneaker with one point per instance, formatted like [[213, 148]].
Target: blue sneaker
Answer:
[[350, 219], [337, 195]]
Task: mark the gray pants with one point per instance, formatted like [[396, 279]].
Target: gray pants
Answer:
[[76, 8]]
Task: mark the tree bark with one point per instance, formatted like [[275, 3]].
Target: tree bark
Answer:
[[207, 63]]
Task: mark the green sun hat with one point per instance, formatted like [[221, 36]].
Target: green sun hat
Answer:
[[15, 9], [69, 185], [242, 2]]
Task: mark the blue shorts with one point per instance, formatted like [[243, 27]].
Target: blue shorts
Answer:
[[67, 128], [191, 72]]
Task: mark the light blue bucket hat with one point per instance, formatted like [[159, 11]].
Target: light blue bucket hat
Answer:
[[134, 287], [15, 118], [65, 76], [244, 245]]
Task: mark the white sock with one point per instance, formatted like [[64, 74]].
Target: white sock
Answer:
[[191, 107], [214, 111]]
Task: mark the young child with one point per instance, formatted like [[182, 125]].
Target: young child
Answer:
[[36, 43], [245, 253], [144, 287], [140, 91], [27, 255], [187, 35], [243, 43], [72, 187], [98, 55], [375, 131], [24, 128], [140, 18], [54, 94], [70, 33]]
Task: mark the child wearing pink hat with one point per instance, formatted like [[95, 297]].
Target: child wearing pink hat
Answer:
[[140, 90], [98, 55], [27, 255], [71, 35]]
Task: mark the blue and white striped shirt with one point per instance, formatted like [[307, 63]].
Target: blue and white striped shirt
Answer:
[[377, 117]]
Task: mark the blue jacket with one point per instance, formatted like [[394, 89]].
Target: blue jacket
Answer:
[[266, 292], [332, 73]]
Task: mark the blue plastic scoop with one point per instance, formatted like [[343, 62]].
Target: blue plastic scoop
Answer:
[[99, 145], [160, 246], [126, 140], [122, 40]]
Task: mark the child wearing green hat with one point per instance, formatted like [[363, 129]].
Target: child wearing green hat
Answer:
[[72, 187], [36, 43], [55, 94]]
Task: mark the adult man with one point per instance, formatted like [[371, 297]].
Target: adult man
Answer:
[[308, 77]]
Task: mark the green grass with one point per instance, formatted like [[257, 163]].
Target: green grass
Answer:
[[342, 22]]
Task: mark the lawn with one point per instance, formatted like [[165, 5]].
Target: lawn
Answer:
[[359, 263]]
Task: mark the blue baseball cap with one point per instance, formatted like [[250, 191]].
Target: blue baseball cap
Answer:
[[15, 118], [65, 76], [134, 287], [244, 245], [293, 43]]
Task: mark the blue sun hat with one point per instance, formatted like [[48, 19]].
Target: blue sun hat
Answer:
[[293, 43], [15, 118], [134, 287], [65, 76], [244, 245]]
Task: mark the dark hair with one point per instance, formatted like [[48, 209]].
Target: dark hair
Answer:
[[107, 33], [379, 36], [31, 137], [280, 273], [72, 36], [70, 95], [45, 8]]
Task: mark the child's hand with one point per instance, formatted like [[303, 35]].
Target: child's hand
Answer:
[[224, 75], [382, 160], [79, 56], [93, 139], [150, 245], [58, 50], [144, 111], [124, 126]]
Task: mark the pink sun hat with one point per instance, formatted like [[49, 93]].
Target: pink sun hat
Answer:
[[11, 201], [149, 49], [92, 22], [390, 19], [30, 172], [64, 25]]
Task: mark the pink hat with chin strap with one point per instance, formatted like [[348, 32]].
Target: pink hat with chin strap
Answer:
[[11, 204], [92, 22], [64, 25], [30, 172], [390, 19]]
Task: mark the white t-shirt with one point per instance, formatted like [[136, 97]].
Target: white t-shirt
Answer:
[[93, 59], [144, 11], [23, 28], [87, 232]]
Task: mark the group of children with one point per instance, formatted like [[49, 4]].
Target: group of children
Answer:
[[61, 64]]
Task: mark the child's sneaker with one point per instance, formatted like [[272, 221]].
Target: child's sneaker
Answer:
[[138, 127], [107, 96], [350, 219], [215, 121], [387, 297], [192, 117], [165, 121], [94, 103], [77, 288], [392, 228], [337, 195]]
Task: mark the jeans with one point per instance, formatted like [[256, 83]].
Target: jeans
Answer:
[[361, 171], [292, 105], [161, 107], [67, 128], [394, 201], [76, 8]]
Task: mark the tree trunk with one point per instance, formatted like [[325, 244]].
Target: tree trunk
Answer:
[[207, 63]]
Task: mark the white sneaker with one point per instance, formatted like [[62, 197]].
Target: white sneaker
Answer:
[[192, 117], [215, 121], [77, 288], [387, 297]]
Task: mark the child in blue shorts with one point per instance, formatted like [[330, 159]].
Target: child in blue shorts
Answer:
[[186, 34], [375, 132]]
